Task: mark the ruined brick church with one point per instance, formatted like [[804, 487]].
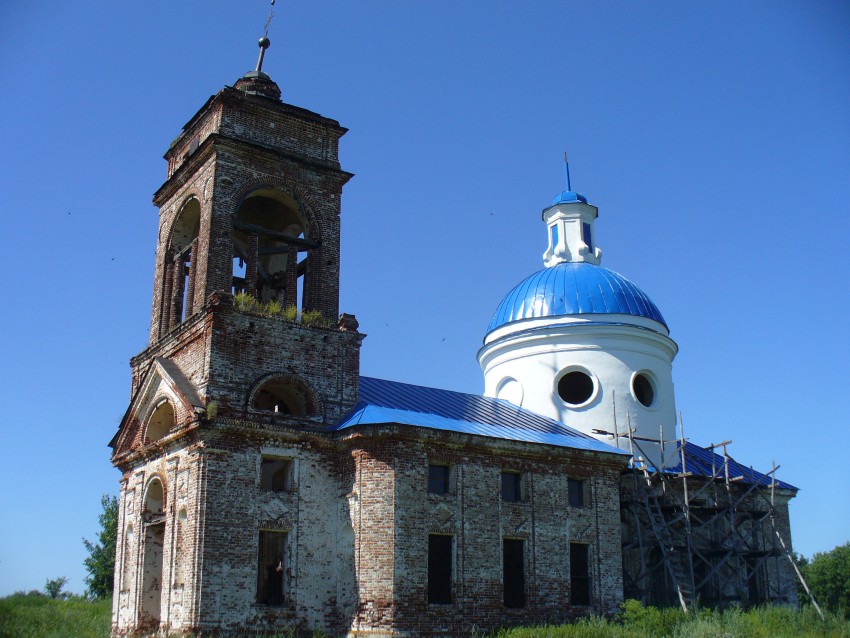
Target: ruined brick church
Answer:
[[267, 484]]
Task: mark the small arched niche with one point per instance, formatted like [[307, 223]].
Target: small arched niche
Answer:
[[154, 497], [270, 247], [284, 395], [160, 422], [511, 390]]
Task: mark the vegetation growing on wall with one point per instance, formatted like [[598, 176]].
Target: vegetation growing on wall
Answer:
[[250, 304]]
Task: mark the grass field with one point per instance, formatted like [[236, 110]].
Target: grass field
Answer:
[[33, 616]]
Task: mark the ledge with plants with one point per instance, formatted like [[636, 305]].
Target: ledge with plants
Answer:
[[244, 302]]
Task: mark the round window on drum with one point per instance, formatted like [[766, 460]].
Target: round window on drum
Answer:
[[576, 387], [644, 389]]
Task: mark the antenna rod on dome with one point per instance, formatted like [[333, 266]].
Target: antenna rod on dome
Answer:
[[567, 172]]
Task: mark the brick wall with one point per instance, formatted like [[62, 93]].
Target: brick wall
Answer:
[[391, 484]]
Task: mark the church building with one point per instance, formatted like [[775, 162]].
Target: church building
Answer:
[[266, 484]]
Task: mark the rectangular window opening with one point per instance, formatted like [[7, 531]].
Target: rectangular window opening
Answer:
[[585, 235], [513, 573], [580, 573], [271, 568], [439, 569], [511, 487], [438, 479], [276, 475], [577, 489]]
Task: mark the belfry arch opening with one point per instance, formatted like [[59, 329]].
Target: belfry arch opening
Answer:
[[180, 271], [271, 248], [283, 395]]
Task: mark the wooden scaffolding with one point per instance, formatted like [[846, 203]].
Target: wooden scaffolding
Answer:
[[699, 528]]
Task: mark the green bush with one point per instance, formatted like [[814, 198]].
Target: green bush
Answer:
[[828, 576], [53, 587], [100, 563], [651, 621]]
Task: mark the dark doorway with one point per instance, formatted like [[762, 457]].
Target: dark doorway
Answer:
[[514, 573], [580, 573], [439, 569], [271, 568]]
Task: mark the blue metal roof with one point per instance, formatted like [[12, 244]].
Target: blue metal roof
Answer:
[[566, 197], [574, 288], [699, 462], [384, 401]]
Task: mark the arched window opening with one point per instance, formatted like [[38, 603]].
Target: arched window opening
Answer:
[[271, 253], [282, 396], [180, 268], [160, 422], [155, 498]]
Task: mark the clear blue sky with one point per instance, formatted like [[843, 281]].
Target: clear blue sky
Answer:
[[713, 136]]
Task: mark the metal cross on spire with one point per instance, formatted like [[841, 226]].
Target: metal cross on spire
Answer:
[[269, 19]]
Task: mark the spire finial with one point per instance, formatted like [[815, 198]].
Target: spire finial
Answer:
[[257, 82], [568, 194], [264, 44]]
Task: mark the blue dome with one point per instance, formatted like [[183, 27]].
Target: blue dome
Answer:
[[574, 288]]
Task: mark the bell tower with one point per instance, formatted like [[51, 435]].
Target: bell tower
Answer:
[[248, 365], [251, 204]]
